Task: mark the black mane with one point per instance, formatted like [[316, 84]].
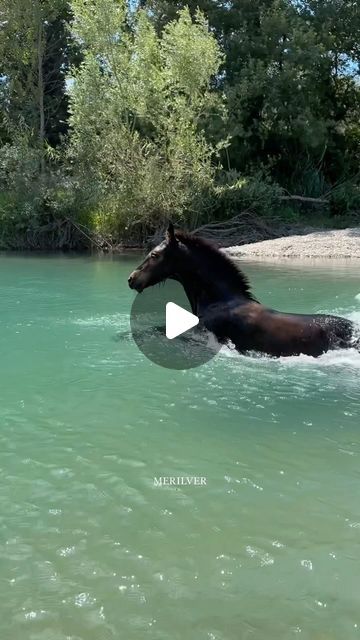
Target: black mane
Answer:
[[218, 261]]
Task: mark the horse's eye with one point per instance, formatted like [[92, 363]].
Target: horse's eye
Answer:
[[153, 255]]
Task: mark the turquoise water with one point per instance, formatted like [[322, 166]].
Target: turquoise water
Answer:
[[91, 549]]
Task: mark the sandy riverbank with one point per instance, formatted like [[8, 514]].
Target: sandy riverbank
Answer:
[[336, 243]]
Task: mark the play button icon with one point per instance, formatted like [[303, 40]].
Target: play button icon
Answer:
[[178, 320], [167, 332]]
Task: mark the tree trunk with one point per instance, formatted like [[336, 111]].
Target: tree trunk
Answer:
[[40, 47], [305, 199]]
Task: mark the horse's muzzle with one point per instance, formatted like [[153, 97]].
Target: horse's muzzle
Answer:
[[133, 282]]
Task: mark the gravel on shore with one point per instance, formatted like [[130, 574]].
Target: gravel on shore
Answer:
[[334, 243]]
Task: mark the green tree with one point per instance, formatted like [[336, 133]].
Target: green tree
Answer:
[[137, 104], [35, 53], [337, 26], [290, 74]]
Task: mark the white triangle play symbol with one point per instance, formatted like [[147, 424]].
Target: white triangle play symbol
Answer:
[[178, 320]]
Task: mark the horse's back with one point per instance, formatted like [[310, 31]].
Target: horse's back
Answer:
[[252, 326]]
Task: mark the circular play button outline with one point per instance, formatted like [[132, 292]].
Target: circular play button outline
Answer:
[[163, 311], [178, 320]]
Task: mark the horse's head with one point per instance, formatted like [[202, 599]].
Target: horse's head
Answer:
[[158, 265]]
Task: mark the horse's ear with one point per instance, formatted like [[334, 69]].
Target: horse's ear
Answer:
[[170, 233]]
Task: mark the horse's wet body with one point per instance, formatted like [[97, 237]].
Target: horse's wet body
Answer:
[[252, 327], [220, 295]]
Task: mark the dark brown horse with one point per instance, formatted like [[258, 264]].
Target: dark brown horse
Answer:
[[219, 294]]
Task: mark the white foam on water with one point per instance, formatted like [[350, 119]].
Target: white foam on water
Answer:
[[117, 320], [344, 358], [354, 316]]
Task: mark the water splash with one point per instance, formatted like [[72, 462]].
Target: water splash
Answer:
[[344, 358], [117, 320]]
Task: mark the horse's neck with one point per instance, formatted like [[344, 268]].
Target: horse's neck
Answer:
[[202, 293], [193, 295]]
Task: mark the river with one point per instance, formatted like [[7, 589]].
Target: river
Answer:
[[91, 548]]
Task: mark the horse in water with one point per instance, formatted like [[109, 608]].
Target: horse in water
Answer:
[[220, 295]]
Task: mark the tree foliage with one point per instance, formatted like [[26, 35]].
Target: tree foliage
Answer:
[[291, 77], [121, 113], [35, 52], [137, 106]]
